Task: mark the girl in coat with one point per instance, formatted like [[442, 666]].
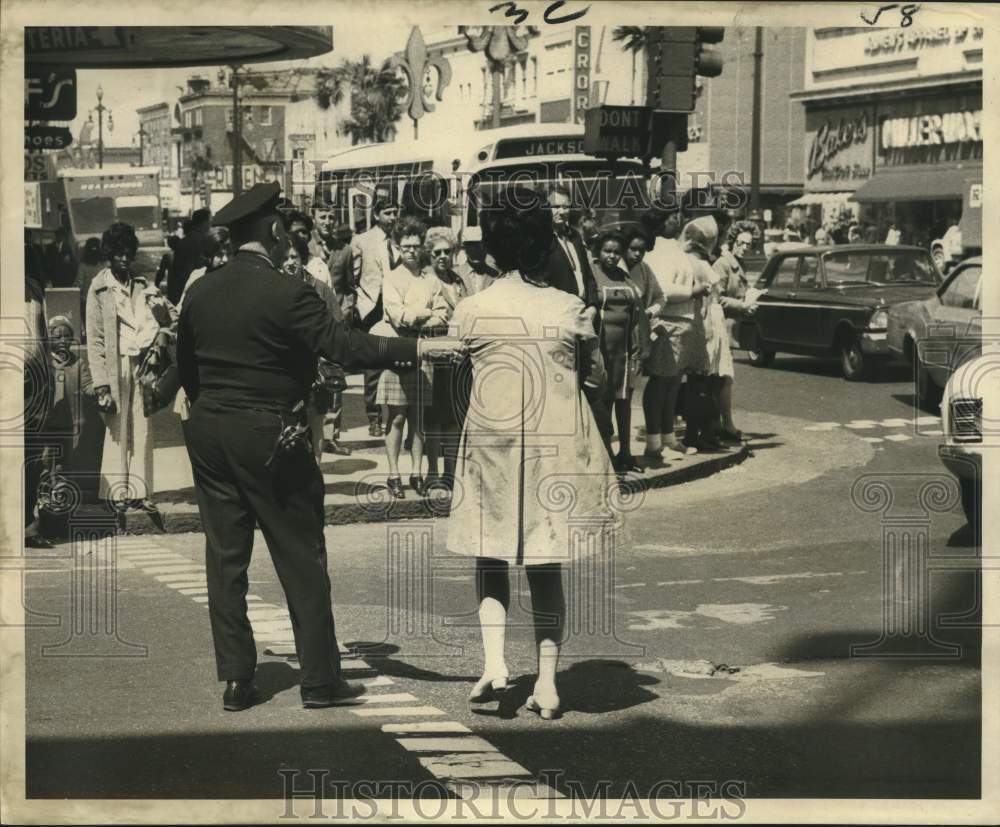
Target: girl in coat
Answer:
[[532, 467]]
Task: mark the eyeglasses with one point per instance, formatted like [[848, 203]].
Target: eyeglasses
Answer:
[[444, 252]]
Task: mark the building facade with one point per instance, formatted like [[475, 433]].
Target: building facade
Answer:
[[894, 128]]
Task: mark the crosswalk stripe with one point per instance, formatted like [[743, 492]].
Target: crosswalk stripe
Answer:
[[400, 711], [413, 727], [387, 698], [469, 743], [473, 765], [178, 569]]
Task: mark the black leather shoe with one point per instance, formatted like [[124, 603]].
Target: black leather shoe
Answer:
[[375, 428], [395, 486], [38, 541], [418, 485], [239, 695], [320, 697]]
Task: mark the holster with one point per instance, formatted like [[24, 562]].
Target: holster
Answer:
[[293, 438]]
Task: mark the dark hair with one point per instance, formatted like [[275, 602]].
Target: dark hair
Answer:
[[172, 242], [200, 216], [517, 231], [382, 204], [216, 242], [186, 226], [301, 247], [609, 235], [298, 217], [633, 233], [408, 225], [119, 238], [92, 251]]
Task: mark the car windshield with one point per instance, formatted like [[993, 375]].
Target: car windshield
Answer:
[[880, 268]]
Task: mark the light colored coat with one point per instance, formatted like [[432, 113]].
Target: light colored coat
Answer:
[[102, 326], [532, 472], [371, 266]]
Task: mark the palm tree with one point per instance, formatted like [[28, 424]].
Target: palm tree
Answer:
[[633, 39], [376, 97]]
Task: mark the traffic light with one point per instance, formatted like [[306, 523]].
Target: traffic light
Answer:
[[674, 56]]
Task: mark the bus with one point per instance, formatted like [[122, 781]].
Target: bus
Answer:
[[450, 185], [544, 155], [420, 180], [94, 199]]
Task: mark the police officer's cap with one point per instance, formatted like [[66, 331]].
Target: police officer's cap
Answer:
[[259, 200]]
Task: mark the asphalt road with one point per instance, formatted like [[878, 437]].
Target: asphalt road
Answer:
[[717, 645]]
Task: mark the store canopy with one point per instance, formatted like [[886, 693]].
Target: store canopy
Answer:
[[812, 198], [135, 47], [914, 185]]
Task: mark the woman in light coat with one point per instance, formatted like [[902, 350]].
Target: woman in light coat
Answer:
[[129, 325], [534, 480]]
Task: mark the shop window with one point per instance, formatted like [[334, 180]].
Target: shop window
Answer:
[[197, 117], [265, 116]]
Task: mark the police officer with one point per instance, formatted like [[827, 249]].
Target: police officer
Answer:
[[248, 341]]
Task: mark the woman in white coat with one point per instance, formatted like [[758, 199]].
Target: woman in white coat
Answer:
[[532, 468]]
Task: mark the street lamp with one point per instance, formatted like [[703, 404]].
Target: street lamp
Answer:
[[143, 134], [101, 109]]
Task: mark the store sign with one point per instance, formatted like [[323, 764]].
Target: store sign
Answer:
[[930, 130], [47, 137], [37, 167], [894, 42], [49, 93], [581, 73], [42, 39], [32, 206], [831, 138]]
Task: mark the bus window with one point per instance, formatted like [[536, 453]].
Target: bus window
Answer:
[[138, 210], [427, 197], [92, 215]]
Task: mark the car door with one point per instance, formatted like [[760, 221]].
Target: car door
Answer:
[[955, 328], [775, 315], [805, 305]]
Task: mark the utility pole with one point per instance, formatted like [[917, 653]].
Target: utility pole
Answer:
[[237, 134], [758, 55], [142, 145]]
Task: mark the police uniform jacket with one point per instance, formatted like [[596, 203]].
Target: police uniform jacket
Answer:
[[249, 336]]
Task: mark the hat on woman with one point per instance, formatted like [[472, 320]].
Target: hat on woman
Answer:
[[699, 236]]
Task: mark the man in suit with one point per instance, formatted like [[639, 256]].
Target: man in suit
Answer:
[[568, 268], [247, 346], [375, 254]]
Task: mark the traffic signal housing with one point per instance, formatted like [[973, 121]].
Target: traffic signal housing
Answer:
[[674, 56]]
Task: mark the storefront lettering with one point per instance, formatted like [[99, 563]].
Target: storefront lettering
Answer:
[[929, 130], [830, 140], [854, 172], [900, 40]]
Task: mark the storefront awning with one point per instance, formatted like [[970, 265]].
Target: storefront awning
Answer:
[[813, 198], [914, 185]]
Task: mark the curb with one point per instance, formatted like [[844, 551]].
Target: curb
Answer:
[[181, 519]]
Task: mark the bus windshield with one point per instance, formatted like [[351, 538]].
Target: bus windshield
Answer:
[[614, 195], [92, 215]]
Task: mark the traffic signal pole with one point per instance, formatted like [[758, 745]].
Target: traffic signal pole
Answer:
[[758, 55]]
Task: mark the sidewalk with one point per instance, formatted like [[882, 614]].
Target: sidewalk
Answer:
[[356, 484]]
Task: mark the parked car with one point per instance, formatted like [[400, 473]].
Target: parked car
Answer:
[[938, 334], [962, 424], [834, 301]]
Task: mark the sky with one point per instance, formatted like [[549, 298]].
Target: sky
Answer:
[[126, 90]]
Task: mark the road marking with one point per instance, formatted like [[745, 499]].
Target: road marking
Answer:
[[899, 437], [740, 613], [629, 585], [873, 439], [861, 424], [473, 765], [387, 698], [926, 420], [426, 726], [181, 568], [895, 423], [469, 743], [934, 432], [402, 711]]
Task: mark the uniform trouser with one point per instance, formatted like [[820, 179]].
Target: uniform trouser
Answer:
[[333, 416], [236, 492]]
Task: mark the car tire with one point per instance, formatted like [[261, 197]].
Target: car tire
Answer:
[[760, 357], [928, 393], [972, 503], [854, 364]]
